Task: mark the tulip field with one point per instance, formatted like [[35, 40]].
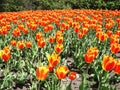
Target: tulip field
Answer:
[[35, 45]]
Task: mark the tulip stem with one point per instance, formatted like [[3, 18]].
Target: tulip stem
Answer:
[[39, 85]]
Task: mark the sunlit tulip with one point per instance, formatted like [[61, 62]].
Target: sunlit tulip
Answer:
[[20, 45], [5, 54], [58, 48], [59, 40], [61, 72], [42, 72], [53, 59]]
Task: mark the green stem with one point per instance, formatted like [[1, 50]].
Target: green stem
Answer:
[[7, 68], [99, 85], [39, 85]]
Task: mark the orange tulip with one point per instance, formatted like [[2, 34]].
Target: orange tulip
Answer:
[[117, 67], [59, 40], [58, 48], [115, 48], [61, 72], [13, 42], [4, 30], [58, 34], [41, 43], [5, 54], [25, 30], [101, 36], [118, 33], [91, 54], [108, 63], [89, 58], [50, 67], [45, 29], [28, 44], [50, 27], [109, 33], [80, 35], [39, 35], [16, 32], [33, 26], [77, 29], [42, 72], [51, 39], [21, 27], [114, 39], [84, 31], [54, 59], [20, 45]]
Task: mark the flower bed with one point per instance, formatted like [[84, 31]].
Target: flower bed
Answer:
[[39, 49]]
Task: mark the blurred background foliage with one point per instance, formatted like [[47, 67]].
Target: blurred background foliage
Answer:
[[18, 5]]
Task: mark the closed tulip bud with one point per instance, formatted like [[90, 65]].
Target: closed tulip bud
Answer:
[[72, 75]]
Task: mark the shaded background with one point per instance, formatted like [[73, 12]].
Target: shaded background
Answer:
[[18, 5]]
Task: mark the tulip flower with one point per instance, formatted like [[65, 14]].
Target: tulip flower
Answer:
[[117, 67], [51, 39], [90, 55], [20, 45], [5, 54], [108, 63], [42, 72], [13, 42], [28, 44], [53, 59], [72, 75], [61, 72], [58, 48]]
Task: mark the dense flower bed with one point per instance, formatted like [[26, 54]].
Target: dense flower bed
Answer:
[[34, 46]]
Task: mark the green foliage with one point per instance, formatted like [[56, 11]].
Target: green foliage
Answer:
[[18, 5]]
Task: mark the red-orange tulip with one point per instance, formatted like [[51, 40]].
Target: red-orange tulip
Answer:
[[39, 35], [108, 63], [115, 48], [41, 43], [16, 32], [90, 55], [51, 39], [28, 44], [117, 67], [72, 75], [13, 42]]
